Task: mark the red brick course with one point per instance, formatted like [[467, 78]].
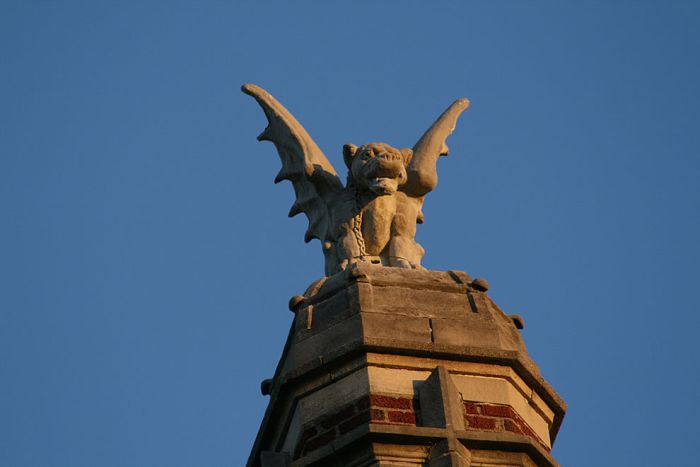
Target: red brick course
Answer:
[[378, 415], [375, 408], [399, 410], [406, 418], [393, 410], [502, 411], [495, 417], [512, 426], [472, 409], [391, 402], [480, 423]]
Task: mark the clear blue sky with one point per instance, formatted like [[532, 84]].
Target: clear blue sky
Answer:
[[146, 259]]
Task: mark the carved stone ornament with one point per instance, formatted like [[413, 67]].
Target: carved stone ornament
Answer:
[[373, 217]]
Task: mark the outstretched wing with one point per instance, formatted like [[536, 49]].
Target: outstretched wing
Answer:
[[303, 163], [422, 170]]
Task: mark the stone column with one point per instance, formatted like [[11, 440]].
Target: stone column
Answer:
[[388, 367]]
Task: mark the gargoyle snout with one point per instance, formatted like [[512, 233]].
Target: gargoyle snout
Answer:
[[387, 160], [387, 156], [386, 165]]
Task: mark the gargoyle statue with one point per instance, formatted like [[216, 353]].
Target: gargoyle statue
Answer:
[[373, 218]]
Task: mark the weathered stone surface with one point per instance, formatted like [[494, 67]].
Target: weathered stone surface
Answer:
[[420, 302], [373, 218], [386, 326], [419, 310]]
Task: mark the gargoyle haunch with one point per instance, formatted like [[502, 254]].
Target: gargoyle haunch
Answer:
[[373, 217]]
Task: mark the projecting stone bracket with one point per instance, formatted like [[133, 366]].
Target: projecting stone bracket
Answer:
[[440, 401], [441, 407]]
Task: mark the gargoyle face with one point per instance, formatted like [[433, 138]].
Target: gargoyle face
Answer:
[[376, 167]]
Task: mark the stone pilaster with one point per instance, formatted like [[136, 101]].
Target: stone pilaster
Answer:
[[388, 366]]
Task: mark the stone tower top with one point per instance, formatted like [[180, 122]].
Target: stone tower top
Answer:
[[387, 363]]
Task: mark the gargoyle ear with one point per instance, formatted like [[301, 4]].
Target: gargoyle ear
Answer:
[[349, 151], [407, 154]]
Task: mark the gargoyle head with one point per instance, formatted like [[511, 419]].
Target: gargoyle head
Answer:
[[376, 167]]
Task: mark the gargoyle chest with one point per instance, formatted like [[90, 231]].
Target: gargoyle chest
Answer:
[[377, 217]]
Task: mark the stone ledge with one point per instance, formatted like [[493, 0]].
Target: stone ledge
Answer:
[[450, 281], [411, 435]]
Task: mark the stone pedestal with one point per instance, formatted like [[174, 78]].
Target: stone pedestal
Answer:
[[397, 367]]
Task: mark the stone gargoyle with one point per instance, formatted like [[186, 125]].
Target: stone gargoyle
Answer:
[[373, 217]]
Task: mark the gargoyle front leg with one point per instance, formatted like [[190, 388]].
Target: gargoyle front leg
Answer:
[[348, 249], [404, 251], [398, 247]]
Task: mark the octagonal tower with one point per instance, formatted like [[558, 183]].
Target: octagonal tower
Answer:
[[398, 367]]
